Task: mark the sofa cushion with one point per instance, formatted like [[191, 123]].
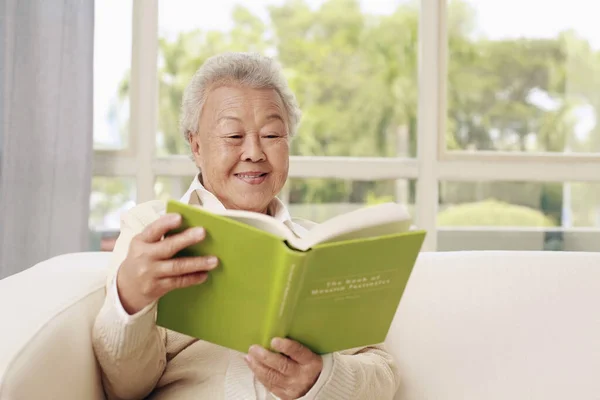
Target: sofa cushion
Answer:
[[47, 313], [500, 325]]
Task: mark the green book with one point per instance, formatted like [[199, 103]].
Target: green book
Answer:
[[336, 288]]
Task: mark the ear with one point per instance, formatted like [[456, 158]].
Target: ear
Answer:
[[194, 142]]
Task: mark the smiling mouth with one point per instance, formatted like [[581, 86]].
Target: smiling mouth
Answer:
[[252, 178], [252, 175]]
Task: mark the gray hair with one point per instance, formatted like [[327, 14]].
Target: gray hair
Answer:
[[248, 69]]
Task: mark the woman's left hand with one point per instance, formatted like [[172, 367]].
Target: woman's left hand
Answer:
[[288, 377]]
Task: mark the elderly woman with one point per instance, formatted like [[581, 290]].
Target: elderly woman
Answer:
[[238, 115]]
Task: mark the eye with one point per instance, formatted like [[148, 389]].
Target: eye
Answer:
[[234, 136], [272, 135]]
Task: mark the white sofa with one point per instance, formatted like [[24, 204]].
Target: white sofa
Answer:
[[471, 325]]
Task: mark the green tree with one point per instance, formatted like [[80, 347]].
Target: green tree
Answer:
[[492, 89], [180, 58]]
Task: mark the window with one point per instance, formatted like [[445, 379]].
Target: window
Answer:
[[536, 193], [519, 216], [112, 61], [523, 78], [500, 204], [519, 204], [489, 135], [109, 198], [351, 64], [172, 187], [318, 199]]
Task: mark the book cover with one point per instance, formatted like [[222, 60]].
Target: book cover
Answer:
[[332, 296]]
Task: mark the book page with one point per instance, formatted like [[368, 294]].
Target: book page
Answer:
[[366, 222], [261, 221]]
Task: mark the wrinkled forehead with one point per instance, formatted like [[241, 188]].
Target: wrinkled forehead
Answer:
[[240, 103], [230, 96]]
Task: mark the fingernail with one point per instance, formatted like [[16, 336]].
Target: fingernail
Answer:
[[174, 217], [276, 343], [248, 360], [254, 349], [197, 233], [212, 261]]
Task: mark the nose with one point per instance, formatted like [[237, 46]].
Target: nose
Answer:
[[252, 149]]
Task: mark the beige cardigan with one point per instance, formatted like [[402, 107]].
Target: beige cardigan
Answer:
[[138, 358]]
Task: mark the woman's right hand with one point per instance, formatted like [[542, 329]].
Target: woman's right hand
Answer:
[[149, 271]]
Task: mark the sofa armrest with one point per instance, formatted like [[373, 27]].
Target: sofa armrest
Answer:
[[47, 313]]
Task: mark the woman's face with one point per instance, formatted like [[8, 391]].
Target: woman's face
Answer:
[[242, 146]]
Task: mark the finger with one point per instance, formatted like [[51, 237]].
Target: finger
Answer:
[[280, 363], [186, 265], [270, 378], [157, 229], [181, 281], [294, 350], [172, 245]]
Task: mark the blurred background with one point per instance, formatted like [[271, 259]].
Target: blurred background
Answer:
[[522, 81], [481, 116]]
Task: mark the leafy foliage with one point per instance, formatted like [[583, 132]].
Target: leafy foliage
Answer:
[[493, 213]]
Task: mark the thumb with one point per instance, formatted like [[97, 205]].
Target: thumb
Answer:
[[294, 350]]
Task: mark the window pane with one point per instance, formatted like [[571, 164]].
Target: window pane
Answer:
[[523, 76], [110, 197], [112, 61], [352, 65], [171, 187], [318, 199], [519, 216]]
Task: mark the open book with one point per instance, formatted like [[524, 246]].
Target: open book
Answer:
[[336, 288]]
